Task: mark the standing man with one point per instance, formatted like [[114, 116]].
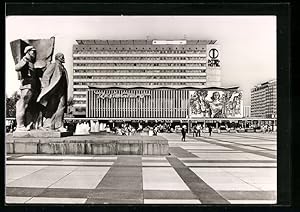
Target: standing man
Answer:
[[26, 110], [183, 132], [209, 130], [194, 128], [53, 96], [198, 130]]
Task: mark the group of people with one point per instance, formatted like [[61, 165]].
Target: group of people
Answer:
[[196, 129], [43, 92], [267, 128], [125, 129], [10, 126]]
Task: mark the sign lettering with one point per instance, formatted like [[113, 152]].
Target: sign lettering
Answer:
[[213, 63], [103, 95]]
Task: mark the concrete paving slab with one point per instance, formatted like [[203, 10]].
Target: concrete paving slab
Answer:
[[266, 186], [125, 172], [114, 201], [12, 199], [78, 181], [248, 195], [23, 192], [48, 200], [268, 202], [127, 183], [16, 172], [165, 179], [171, 201], [116, 194], [171, 194], [65, 193], [93, 171], [158, 164], [35, 182]]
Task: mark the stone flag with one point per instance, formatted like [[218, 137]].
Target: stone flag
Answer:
[[44, 49]]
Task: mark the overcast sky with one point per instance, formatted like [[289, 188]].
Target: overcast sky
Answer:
[[248, 42]]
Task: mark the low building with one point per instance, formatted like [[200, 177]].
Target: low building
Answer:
[[163, 103]]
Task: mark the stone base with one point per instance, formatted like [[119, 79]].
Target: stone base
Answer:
[[99, 133], [92, 145], [40, 134]]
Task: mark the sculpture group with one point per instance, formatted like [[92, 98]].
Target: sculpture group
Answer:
[[43, 92]]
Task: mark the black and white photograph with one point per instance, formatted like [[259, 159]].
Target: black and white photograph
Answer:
[[141, 110]]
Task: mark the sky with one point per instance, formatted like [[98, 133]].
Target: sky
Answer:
[[248, 43]]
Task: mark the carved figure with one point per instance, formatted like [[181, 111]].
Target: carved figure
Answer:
[[216, 106], [26, 107], [53, 96], [199, 104]]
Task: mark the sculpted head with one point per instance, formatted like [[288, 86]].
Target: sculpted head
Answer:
[[60, 57], [30, 53], [215, 96]]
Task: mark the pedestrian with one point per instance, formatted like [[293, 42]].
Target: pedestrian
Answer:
[[194, 130], [263, 129], [183, 132], [198, 130], [209, 130]]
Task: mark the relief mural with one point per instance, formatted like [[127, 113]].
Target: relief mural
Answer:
[[216, 103]]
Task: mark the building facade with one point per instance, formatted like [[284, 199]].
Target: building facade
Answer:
[[163, 103], [147, 64], [247, 111], [264, 100]]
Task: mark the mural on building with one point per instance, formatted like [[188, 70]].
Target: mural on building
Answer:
[[216, 103]]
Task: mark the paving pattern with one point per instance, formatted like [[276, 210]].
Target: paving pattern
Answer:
[[228, 168]]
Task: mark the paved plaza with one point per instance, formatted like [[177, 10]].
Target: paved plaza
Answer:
[[227, 168]]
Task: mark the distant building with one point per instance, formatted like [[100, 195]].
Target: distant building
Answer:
[[264, 100], [149, 64], [247, 111]]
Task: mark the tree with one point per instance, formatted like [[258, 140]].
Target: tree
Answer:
[[70, 103], [11, 105]]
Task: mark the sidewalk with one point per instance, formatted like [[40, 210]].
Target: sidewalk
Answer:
[[221, 169]]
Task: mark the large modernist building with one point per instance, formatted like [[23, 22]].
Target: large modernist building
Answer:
[[151, 79], [264, 100]]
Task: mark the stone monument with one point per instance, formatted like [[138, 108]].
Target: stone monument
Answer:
[[53, 96], [41, 108], [43, 89]]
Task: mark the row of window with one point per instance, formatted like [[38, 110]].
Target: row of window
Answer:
[[139, 71], [79, 102], [139, 77], [137, 83], [264, 89], [79, 96], [141, 64], [262, 100], [135, 51], [141, 58], [80, 89]]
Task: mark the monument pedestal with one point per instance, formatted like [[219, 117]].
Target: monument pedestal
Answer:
[[90, 145], [40, 134]]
